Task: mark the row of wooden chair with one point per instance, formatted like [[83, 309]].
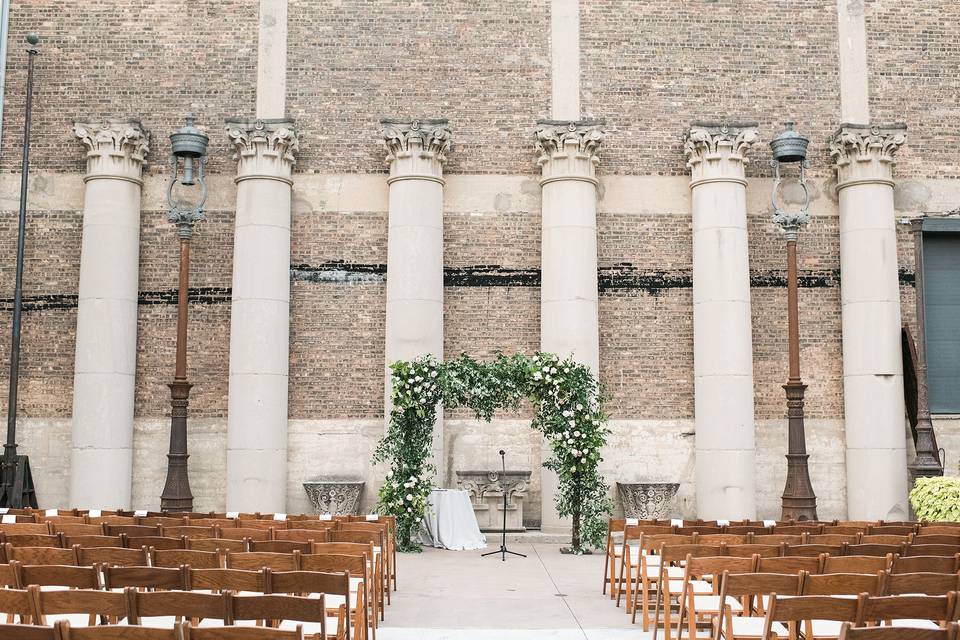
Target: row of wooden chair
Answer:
[[180, 631]]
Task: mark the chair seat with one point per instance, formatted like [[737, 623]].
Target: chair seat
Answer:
[[677, 573], [915, 624], [75, 619], [711, 604], [753, 628], [826, 629], [311, 627], [698, 586]]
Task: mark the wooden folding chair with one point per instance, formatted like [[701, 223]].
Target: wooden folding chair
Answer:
[[374, 568], [849, 632], [842, 584], [672, 556], [216, 544], [821, 616], [16, 604], [933, 584], [361, 586], [917, 611], [179, 557], [391, 522], [254, 561], [380, 552], [386, 544], [341, 608], [80, 607], [705, 573], [164, 578], [640, 575], [751, 591]]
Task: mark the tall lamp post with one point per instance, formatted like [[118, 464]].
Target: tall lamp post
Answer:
[[798, 501], [189, 155], [18, 484]]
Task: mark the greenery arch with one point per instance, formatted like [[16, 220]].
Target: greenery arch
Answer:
[[568, 410]]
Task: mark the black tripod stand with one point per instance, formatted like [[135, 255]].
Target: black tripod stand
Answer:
[[503, 551]]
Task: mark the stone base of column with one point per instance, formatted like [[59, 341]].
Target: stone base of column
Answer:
[[725, 487], [101, 478], [249, 490]]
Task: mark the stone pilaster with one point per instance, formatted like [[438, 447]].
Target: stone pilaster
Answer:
[[870, 301], [722, 338], [260, 315], [416, 152], [106, 345], [568, 155]]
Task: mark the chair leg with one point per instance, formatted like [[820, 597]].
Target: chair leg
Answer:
[[606, 568]]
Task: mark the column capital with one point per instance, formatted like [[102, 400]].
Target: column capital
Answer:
[[569, 149], [716, 152], [265, 148], [416, 149], [864, 154], [115, 148]]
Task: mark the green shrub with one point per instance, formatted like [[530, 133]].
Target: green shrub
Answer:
[[936, 499]]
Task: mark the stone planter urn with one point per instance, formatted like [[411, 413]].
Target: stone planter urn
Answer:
[[647, 500], [336, 497], [486, 495]]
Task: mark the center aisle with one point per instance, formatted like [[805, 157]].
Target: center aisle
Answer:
[[446, 595]]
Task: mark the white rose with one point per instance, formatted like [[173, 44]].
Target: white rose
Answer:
[[410, 497], [573, 468], [409, 510], [567, 414], [433, 374], [553, 369], [537, 375], [546, 369], [572, 423], [579, 407], [576, 434]]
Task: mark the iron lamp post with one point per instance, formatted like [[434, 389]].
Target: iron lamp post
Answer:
[[189, 155], [798, 501]]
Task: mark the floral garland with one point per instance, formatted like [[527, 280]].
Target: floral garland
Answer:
[[568, 411]]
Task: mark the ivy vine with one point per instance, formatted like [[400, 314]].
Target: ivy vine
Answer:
[[568, 411]]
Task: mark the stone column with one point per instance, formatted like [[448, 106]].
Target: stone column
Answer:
[[106, 346], [416, 151], [722, 338], [260, 315], [568, 158], [870, 298]]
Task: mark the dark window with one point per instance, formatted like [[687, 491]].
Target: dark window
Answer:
[[941, 293]]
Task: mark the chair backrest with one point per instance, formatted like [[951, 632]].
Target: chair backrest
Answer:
[[93, 541], [113, 556], [799, 528], [362, 537], [189, 604], [51, 575], [284, 607], [749, 550], [34, 539], [29, 632], [111, 519], [345, 548], [676, 553], [255, 561], [894, 529], [40, 555], [741, 585], [857, 564], [744, 529], [144, 577], [214, 544], [931, 550], [310, 582], [812, 549], [721, 538], [926, 564], [939, 528], [280, 546], [355, 565], [227, 580], [157, 542], [241, 533], [132, 530], [245, 633], [73, 529], [651, 543], [794, 609], [842, 584], [8, 576], [17, 602], [779, 538], [873, 549], [188, 531], [162, 521], [223, 523], [885, 538], [22, 528], [833, 538], [89, 601], [791, 564], [179, 557], [936, 538], [844, 529], [263, 525], [874, 609], [699, 529], [302, 535], [849, 632], [316, 525], [933, 584], [699, 567]]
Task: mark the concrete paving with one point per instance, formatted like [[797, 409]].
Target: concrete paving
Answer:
[[448, 595]]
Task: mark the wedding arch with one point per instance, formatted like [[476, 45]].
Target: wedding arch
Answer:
[[568, 410]]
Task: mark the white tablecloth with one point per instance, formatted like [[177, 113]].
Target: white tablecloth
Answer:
[[450, 522]]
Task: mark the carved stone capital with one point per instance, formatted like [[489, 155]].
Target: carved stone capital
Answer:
[[115, 148], [416, 149], [717, 152], [264, 148], [568, 150], [864, 154]]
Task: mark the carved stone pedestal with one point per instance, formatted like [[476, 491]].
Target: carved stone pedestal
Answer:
[[646, 500], [486, 494], [336, 497]]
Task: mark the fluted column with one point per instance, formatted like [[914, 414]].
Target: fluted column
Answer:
[[874, 419], [568, 158], [416, 151], [106, 346], [260, 315], [722, 338]]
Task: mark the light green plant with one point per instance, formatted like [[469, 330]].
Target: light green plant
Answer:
[[567, 409], [936, 499]]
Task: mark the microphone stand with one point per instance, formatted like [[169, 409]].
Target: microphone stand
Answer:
[[503, 551]]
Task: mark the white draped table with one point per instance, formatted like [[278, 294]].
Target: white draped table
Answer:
[[450, 522]]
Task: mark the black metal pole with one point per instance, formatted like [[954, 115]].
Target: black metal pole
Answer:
[[7, 497]]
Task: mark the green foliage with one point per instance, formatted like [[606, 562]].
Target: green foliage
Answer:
[[568, 411], [936, 499]]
